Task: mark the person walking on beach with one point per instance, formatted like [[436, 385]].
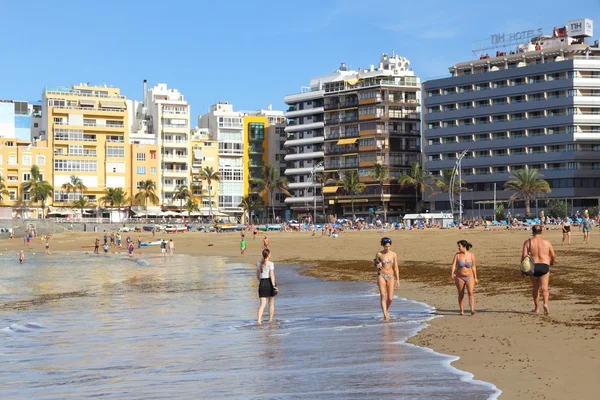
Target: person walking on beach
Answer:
[[266, 243], [586, 227], [105, 238], [21, 257], [265, 273], [163, 247], [171, 246], [388, 276], [543, 256], [464, 274], [97, 246], [47, 246], [153, 232], [105, 248], [566, 230], [243, 246], [130, 249]]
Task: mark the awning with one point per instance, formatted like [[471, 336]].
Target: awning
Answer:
[[330, 189], [347, 141], [89, 103], [352, 81], [112, 104]]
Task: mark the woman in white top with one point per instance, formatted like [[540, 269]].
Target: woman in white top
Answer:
[[265, 273]]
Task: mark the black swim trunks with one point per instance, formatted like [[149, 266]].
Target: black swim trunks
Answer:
[[541, 269]]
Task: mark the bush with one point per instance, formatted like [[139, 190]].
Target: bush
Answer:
[[556, 208], [500, 212]]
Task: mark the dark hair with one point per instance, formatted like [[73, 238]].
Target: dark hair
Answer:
[[385, 241], [265, 254], [465, 244], [536, 229]]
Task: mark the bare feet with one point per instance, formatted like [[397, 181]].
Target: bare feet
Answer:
[[546, 310], [535, 310], [462, 312], [473, 312], [259, 322]]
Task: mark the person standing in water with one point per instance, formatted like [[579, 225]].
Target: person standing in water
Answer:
[[21, 257], [464, 274], [544, 257], [265, 273], [171, 246], [388, 275]]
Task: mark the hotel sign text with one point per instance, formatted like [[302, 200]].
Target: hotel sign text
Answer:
[[504, 39]]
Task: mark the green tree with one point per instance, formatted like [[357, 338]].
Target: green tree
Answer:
[[147, 193], [182, 193], [352, 186], [268, 183], [115, 197], [249, 205], [322, 179], [39, 190], [381, 174], [500, 212], [81, 203], [209, 175], [191, 206], [75, 184], [417, 177], [3, 191], [557, 208], [527, 184], [443, 181]]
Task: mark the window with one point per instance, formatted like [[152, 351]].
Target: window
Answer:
[[179, 182], [115, 151], [76, 165], [257, 131], [153, 155], [26, 160], [26, 176], [12, 195], [35, 124], [141, 170], [153, 170], [12, 160], [39, 160], [141, 156], [26, 196]]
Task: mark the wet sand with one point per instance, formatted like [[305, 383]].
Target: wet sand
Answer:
[[527, 356]]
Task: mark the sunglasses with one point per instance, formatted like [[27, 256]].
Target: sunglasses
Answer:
[[386, 241]]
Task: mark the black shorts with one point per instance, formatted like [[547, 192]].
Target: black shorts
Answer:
[[541, 270], [265, 288], [566, 229]]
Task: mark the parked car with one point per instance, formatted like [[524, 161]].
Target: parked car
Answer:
[[125, 229]]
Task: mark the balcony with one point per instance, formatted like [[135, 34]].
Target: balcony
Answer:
[[304, 156], [342, 105], [90, 110], [302, 185], [176, 143], [114, 139], [304, 112], [305, 141], [305, 127], [75, 139], [301, 200], [176, 171], [175, 157], [342, 120], [176, 128], [303, 170]]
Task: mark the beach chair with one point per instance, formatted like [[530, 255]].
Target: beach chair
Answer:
[[579, 220], [529, 221], [495, 223], [504, 223]]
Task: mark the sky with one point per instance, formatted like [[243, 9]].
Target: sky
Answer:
[[250, 53]]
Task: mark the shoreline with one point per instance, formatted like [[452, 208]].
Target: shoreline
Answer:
[[525, 356]]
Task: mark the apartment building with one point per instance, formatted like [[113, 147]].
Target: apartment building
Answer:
[[165, 114], [20, 119], [17, 157], [227, 128], [370, 116], [87, 128], [537, 104], [256, 150], [144, 165], [205, 153]]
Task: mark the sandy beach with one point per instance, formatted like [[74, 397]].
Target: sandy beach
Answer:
[[527, 356]]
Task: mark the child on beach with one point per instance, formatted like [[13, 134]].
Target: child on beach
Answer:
[[21, 257], [243, 245], [105, 247], [130, 248]]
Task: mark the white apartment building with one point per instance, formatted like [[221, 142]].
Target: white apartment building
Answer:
[[227, 128], [168, 118]]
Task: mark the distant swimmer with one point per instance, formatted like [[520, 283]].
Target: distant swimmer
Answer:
[[544, 257], [464, 274], [21, 257], [388, 275]]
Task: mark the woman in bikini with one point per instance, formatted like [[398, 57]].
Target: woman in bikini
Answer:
[[566, 230], [464, 273], [386, 262]]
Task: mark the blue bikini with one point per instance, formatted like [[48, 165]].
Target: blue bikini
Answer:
[[463, 264]]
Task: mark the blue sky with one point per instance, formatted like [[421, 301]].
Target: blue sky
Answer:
[[250, 53]]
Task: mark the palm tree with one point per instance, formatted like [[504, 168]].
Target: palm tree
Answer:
[[191, 205], [81, 203], [323, 180], [115, 197], [268, 183], [352, 185], [249, 205], [75, 183], [527, 184], [3, 190], [417, 177], [443, 181], [38, 189], [381, 174], [147, 192], [209, 175], [181, 193]]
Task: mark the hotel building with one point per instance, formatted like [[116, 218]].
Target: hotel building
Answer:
[[368, 116], [205, 153], [87, 128], [536, 105]]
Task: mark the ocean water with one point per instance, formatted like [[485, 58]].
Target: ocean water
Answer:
[[183, 327]]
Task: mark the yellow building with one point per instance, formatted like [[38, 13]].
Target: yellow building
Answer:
[[17, 157], [143, 166], [205, 153], [255, 150], [87, 126]]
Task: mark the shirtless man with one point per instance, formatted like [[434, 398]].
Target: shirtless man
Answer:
[[266, 243], [543, 256]]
